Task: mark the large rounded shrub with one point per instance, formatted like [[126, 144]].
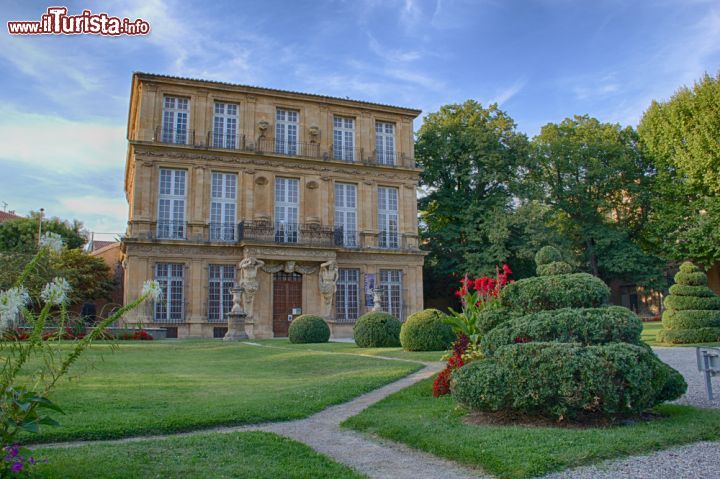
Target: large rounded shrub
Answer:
[[308, 329], [565, 380], [377, 330], [587, 326], [547, 255], [566, 355], [692, 310], [543, 293], [426, 331]]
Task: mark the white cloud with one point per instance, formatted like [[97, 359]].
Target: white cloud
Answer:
[[506, 94], [57, 145]]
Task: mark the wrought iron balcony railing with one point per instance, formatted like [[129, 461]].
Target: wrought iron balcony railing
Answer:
[[239, 142], [222, 231], [286, 233], [174, 230]]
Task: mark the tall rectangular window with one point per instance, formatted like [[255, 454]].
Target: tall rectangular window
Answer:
[[388, 217], [287, 196], [385, 142], [346, 212], [223, 195], [347, 304], [391, 287], [225, 125], [344, 138], [171, 204], [220, 279], [175, 120], [170, 307], [286, 132]]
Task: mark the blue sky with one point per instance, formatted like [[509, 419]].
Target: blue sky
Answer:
[[64, 100]]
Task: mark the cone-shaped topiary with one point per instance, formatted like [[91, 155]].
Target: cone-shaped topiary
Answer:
[[567, 355], [426, 331], [692, 310]]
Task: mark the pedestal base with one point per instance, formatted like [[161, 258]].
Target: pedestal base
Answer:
[[236, 327], [235, 335]]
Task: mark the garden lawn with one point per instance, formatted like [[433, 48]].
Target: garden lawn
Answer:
[[167, 386], [414, 417], [649, 335], [245, 454], [351, 348]]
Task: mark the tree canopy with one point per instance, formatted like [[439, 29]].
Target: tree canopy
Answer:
[[22, 234]]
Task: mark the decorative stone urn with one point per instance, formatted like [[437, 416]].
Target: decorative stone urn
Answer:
[[236, 317]]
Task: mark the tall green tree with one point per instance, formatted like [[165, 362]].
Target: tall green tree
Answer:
[[682, 138], [685, 132], [22, 234], [595, 178], [473, 158]]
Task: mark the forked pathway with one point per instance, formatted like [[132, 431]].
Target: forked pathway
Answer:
[[376, 458]]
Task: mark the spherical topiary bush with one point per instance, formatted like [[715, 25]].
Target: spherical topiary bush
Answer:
[[426, 331], [547, 255], [567, 354], [556, 267], [308, 329], [692, 310], [377, 330]]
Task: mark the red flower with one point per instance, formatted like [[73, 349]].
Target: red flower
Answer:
[[506, 269]]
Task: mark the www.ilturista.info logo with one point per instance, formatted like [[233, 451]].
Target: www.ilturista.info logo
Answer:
[[57, 22]]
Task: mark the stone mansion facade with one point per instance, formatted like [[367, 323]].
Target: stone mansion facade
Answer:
[[308, 202]]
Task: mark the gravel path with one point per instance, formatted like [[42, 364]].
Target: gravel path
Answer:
[[692, 461], [683, 359]]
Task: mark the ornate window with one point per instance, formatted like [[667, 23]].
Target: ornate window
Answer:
[[286, 210], [171, 204], [175, 120], [223, 197], [346, 213], [391, 286], [286, 132], [344, 138], [347, 304], [225, 124], [388, 217], [385, 142], [170, 307], [220, 279]]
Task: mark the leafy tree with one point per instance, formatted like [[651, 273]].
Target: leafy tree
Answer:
[[473, 158], [595, 178], [684, 132], [680, 136], [22, 234], [89, 276]]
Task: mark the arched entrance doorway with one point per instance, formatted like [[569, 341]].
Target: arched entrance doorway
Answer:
[[287, 294]]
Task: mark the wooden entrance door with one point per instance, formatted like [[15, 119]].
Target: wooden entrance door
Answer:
[[287, 294]]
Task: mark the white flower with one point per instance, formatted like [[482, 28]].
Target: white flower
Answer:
[[152, 289], [52, 241], [10, 303], [56, 291]]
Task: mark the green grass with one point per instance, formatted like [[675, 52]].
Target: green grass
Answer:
[[351, 348], [237, 455], [412, 416], [649, 335], [168, 386]]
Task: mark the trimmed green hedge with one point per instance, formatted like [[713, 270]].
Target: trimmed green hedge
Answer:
[[426, 331], [691, 279], [587, 326], [377, 330], [687, 290], [689, 336], [556, 267], [490, 318], [308, 329], [541, 293], [682, 303], [567, 380], [690, 319], [547, 255]]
